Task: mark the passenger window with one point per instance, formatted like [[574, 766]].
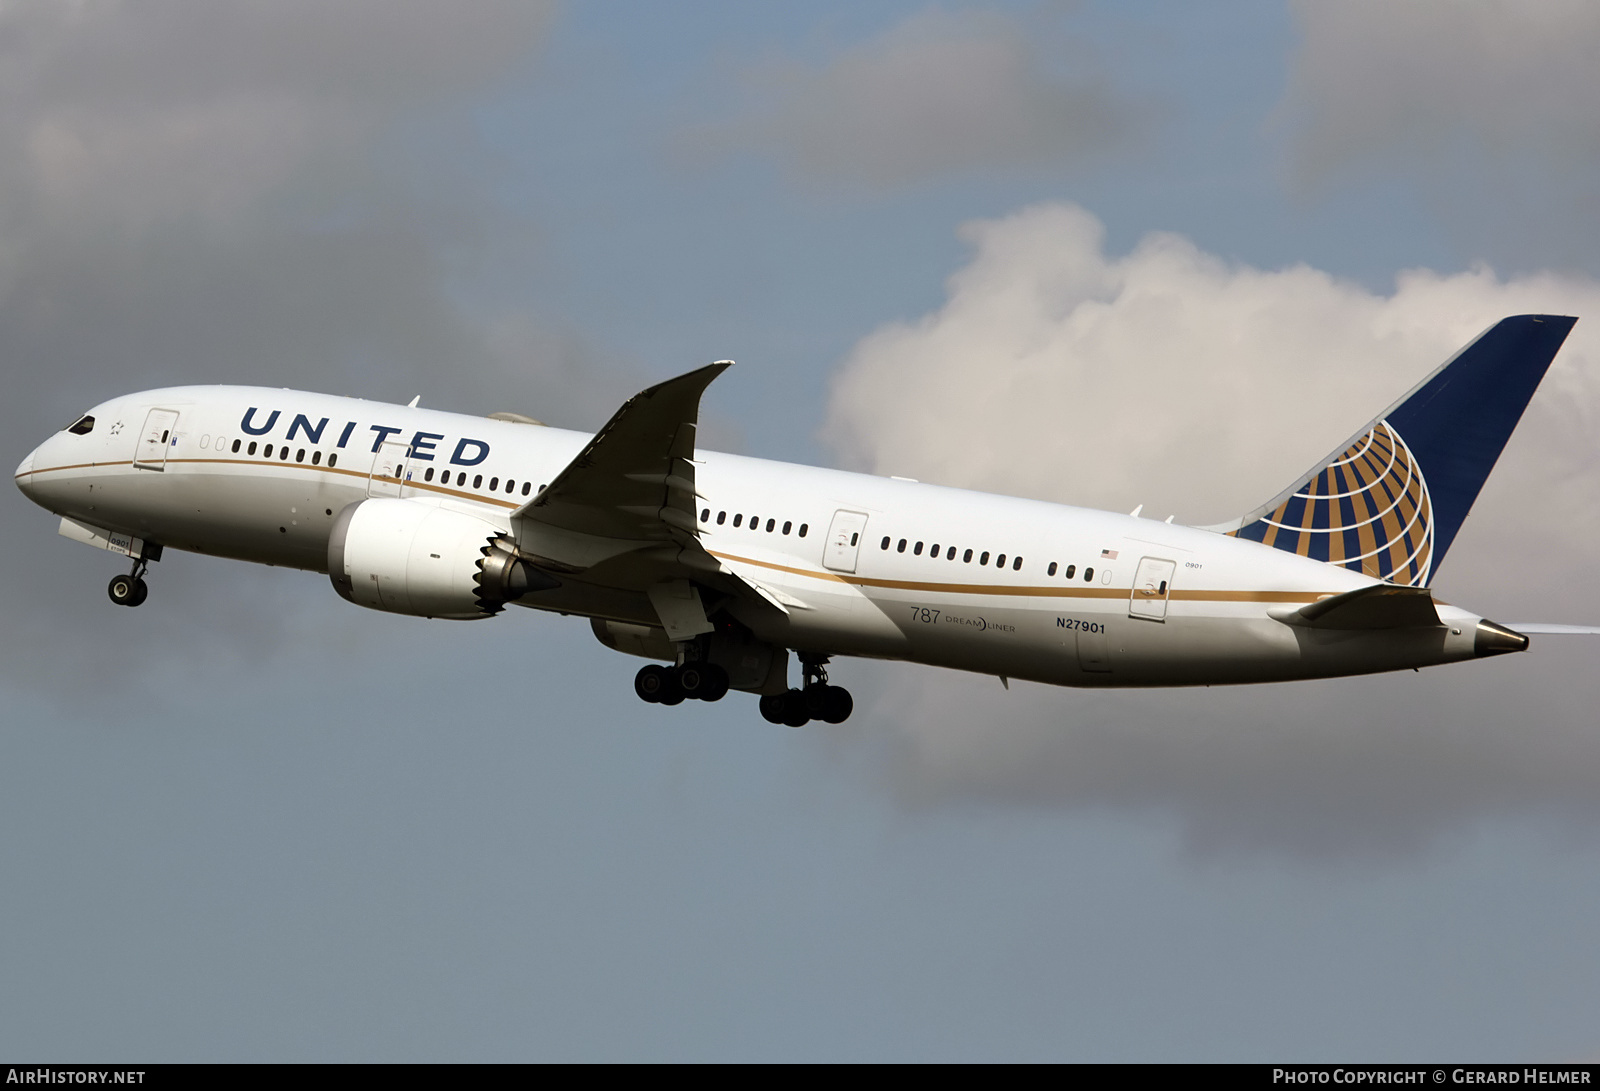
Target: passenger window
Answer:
[[950, 556], [1016, 564], [722, 517], [803, 528], [477, 481], [1051, 571], [855, 537], [1000, 561], [885, 543], [917, 549], [737, 519], [933, 551], [300, 455], [985, 558], [705, 515], [511, 486], [333, 459], [1088, 575], [284, 455], [316, 458], [966, 558], [901, 548], [494, 484], [83, 426], [1071, 571], [770, 524], [164, 434], [235, 446], [428, 475], [527, 487], [786, 526], [252, 447]]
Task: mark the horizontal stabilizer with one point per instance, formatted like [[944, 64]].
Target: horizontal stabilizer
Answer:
[[1380, 606]]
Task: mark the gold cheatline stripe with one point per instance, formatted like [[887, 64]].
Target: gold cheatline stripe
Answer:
[[1065, 591], [420, 485], [1028, 592]]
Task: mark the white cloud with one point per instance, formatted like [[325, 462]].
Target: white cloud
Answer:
[[1166, 376], [940, 92], [1170, 377]]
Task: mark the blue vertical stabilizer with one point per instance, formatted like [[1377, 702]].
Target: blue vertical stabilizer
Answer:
[[1390, 501]]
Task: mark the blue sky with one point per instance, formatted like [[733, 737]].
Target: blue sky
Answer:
[[252, 822]]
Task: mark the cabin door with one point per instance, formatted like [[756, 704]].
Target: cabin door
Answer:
[[160, 433], [1152, 586], [844, 541], [388, 469]]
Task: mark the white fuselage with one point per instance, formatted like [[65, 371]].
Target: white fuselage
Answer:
[[1097, 599]]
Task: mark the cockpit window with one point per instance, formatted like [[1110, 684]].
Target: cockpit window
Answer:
[[82, 426]]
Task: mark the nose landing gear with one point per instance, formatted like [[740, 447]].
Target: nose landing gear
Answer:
[[130, 590]]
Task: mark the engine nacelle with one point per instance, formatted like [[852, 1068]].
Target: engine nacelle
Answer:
[[411, 558]]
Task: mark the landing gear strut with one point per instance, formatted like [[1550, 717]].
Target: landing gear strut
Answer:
[[130, 590], [816, 700]]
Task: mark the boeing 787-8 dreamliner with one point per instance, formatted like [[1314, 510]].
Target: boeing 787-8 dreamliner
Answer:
[[717, 566]]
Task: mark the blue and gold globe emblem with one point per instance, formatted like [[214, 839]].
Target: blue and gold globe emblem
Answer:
[[1367, 510]]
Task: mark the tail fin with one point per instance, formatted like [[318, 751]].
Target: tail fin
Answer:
[[1389, 501]]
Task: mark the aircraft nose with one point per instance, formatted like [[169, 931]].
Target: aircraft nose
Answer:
[[25, 475]]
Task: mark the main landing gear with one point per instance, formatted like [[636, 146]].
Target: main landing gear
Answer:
[[702, 681], [130, 590], [670, 685], [815, 701]]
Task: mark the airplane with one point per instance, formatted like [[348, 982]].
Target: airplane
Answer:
[[716, 566]]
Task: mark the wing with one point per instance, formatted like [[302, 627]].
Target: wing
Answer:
[[621, 515], [635, 479]]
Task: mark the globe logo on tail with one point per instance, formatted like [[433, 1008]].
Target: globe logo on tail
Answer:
[[1368, 510]]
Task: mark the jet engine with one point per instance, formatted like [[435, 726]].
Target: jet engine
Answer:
[[411, 558]]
